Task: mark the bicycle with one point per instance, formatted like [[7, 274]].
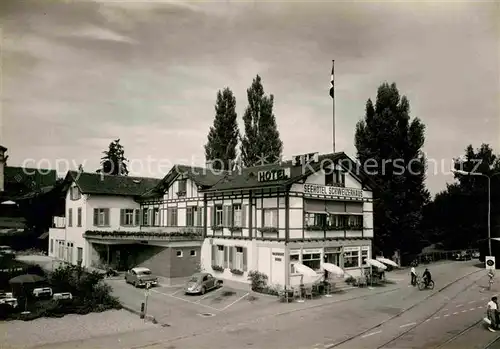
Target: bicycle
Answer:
[[422, 285]]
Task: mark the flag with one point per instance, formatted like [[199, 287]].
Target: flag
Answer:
[[332, 81]]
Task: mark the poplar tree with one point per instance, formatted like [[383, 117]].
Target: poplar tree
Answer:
[[223, 135], [261, 143]]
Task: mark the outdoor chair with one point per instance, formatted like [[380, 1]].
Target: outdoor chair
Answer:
[[297, 292], [308, 293]]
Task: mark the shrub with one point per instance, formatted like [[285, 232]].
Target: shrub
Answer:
[[258, 280], [350, 280]]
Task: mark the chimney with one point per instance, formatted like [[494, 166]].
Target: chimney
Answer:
[[3, 161]]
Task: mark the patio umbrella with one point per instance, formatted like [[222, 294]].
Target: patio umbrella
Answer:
[[376, 264], [334, 269], [388, 262], [26, 279], [23, 280]]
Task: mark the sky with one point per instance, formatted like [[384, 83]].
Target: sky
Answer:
[[78, 74]]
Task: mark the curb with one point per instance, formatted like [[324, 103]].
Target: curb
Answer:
[[401, 312], [133, 311]]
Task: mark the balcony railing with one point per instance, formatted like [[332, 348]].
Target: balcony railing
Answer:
[[326, 227], [144, 235]]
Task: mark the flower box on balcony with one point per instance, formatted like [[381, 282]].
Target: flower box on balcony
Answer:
[[268, 230], [315, 228], [218, 268], [237, 272]]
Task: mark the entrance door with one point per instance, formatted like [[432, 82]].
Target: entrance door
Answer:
[[333, 258]]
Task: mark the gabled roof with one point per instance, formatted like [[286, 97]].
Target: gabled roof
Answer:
[[201, 176], [100, 184], [248, 177], [29, 177]]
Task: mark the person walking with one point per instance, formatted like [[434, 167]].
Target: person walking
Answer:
[[492, 313], [413, 273]]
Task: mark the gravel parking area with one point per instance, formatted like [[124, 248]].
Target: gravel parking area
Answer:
[[24, 334]]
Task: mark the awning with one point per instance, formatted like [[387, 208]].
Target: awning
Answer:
[[387, 262], [44, 235], [375, 263], [334, 269]]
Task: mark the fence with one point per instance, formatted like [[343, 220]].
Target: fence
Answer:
[[434, 256]]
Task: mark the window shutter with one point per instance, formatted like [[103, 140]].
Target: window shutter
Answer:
[[244, 259], [96, 217], [214, 254], [224, 216], [122, 216], [226, 256], [230, 215], [211, 211], [106, 216], [151, 218], [244, 216], [231, 256], [137, 216]]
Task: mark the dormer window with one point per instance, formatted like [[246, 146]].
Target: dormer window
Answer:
[[75, 193], [335, 178], [182, 186]]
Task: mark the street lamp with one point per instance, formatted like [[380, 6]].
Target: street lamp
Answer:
[[489, 198]]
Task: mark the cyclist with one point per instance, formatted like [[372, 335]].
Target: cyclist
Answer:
[[427, 277]]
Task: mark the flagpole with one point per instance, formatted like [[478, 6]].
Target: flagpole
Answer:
[[333, 102]]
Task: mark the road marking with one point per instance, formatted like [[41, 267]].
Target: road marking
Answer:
[[472, 308], [208, 295], [236, 301], [185, 300], [427, 320], [480, 307], [436, 317], [371, 334], [176, 292], [410, 324], [472, 302], [455, 313], [464, 311], [446, 315], [445, 310], [460, 305]]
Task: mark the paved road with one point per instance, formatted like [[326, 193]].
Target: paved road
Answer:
[[319, 325]]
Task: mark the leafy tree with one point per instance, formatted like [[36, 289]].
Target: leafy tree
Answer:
[[458, 216], [114, 162], [261, 142], [223, 135], [389, 148]]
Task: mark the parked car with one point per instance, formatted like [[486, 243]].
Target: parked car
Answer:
[[200, 283], [475, 254], [141, 276], [463, 256]]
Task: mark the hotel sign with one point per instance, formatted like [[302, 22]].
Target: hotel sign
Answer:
[[274, 175], [332, 191]]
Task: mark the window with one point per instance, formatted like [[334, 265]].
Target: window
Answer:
[[238, 258], [191, 215], [312, 260], [336, 222], [79, 217], [355, 221], [364, 254], [75, 193], [315, 220], [329, 178], [69, 252], [218, 216], [79, 255], [270, 218], [178, 253], [126, 217], [340, 178], [70, 217], [237, 215], [145, 216], [156, 216], [172, 217], [182, 187], [351, 259], [51, 245], [101, 217], [137, 220], [219, 259], [294, 258], [192, 253]]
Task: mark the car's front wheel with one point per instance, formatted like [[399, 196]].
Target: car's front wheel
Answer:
[[203, 290]]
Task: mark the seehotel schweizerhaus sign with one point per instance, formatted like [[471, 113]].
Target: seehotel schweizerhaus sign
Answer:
[[332, 191]]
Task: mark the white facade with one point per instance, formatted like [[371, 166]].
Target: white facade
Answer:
[[343, 238], [68, 242]]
